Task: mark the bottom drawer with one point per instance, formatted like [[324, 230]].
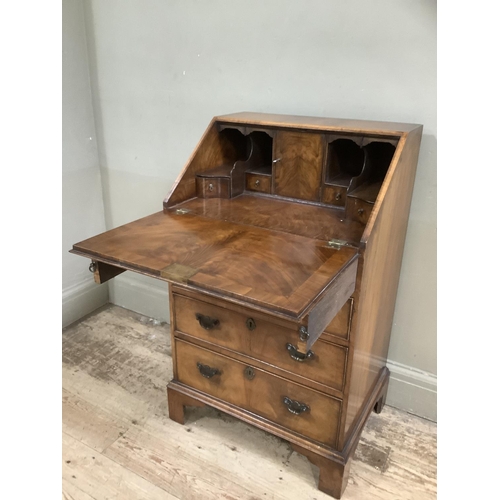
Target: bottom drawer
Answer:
[[293, 406]]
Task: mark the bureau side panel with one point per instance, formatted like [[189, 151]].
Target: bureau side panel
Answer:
[[211, 151], [376, 290]]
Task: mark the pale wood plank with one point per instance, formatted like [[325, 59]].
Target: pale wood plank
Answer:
[[108, 396], [88, 423], [100, 478], [71, 492], [160, 459]]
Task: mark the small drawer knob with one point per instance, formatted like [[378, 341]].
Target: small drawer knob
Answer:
[[257, 183]]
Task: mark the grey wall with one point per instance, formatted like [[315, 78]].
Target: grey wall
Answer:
[[82, 203], [161, 70]]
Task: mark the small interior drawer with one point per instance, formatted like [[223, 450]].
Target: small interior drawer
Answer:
[[359, 210], [334, 195], [258, 182]]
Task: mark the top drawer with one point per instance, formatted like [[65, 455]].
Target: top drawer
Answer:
[[261, 339]]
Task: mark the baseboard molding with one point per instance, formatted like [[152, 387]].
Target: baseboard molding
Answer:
[[142, 295], [81, 299], [412, 390]]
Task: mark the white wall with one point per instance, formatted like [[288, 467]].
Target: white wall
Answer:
[[162, 69], [83, 209]]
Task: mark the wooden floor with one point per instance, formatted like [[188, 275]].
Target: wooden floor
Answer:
[[118, 442]]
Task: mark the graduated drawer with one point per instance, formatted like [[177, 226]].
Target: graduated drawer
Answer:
[[291, 405], [262, 340]]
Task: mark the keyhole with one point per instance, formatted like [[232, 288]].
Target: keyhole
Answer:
[[251, 325], [249, 373]]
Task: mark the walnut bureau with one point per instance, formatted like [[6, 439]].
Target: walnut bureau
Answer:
[[282, 241]]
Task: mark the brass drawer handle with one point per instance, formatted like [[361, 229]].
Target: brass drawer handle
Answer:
[[297, 355], [207, 322], [257, 183], [207, 371], [295, 407]]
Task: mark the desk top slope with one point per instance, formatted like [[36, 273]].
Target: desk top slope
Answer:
[[270, 211]]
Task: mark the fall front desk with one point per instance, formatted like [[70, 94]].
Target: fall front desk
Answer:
[[282, 242]]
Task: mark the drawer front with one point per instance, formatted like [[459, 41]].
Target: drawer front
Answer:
[[265, 341], [293, 406], [260, 183], [213, 187], [359, 210], [334, 195]]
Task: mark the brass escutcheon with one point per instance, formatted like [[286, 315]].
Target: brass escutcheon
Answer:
[[249, 373], [251, 325]]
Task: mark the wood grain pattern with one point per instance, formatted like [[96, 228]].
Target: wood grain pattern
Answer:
[[262, 395], [104, 272], [100, 477], [298, 172], [317, 123], [358, 210], [234, 260], [316, 222], [213, 187], [340, 325], [334, 195], [265, 342], [259, 183], [214, 150], [381, 262], [89, 424], [331, 303]]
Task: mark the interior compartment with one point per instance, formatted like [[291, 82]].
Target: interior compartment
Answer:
[[364, 189], [234, 144], [261, 153], [242, 151], [345, 160], [379, 156]]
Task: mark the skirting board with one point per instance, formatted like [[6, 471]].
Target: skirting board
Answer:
[[142, 295], [81, 299], [410, 389]]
